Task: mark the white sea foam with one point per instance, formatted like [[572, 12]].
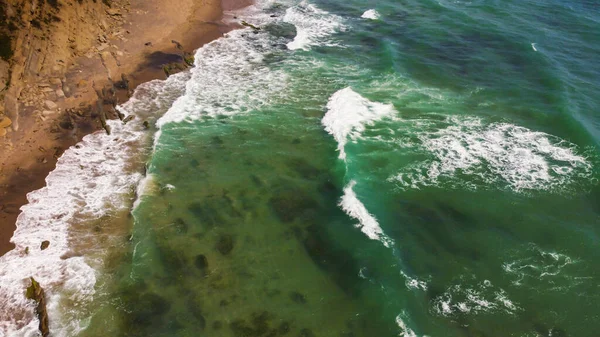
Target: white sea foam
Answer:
[[231, 75], [539, 266], [367, 222], [313, 26], [370, 14], [405, 330], [474, 299], [414, 283], [92, 179], [492, 154], [348, 113]]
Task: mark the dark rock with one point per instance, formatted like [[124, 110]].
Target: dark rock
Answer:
[[244, 23], [225, 244], [146, 125], [44, 244], [128, 119], [258, 327], [181, 227], [177, 44], [147, 309], [36, 293], [282, 29], [283, 328], [298, 297], [306, 333], [201, 263], [337, 262]]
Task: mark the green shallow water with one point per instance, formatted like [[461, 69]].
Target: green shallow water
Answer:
[[483, 180]]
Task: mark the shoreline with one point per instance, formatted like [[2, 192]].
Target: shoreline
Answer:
[[160, 36]]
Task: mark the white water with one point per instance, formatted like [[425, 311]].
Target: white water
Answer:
[[370, 14], [92, 180], [480, 298], [494, 154], [367, 222], [405, 330], [348, 114], [314, 26]]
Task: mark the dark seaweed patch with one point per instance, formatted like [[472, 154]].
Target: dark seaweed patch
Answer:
[[289, 204], [339, 263]]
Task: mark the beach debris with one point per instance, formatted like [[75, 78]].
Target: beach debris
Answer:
[[45, 244], [225, 244], [188, 58], [36, 293], [177, 45], [128, 119], [147, 44], [173, 68], [123, 84], [244, 23]]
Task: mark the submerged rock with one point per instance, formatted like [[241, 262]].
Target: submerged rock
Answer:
[[36, 293], [146, 309], [298, 297], [282, 29], [306, 333], [259, 326], [284, 328], [288, 204], [201, 263], [225, 244]]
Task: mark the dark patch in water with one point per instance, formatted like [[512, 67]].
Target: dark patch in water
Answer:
[[306, 333], [224, 244], [180, 226], [201, 262], [455, 214], [143, 312], [290, 203], [284, 328], [259, 326], [298, 297], [338, 263], [214, 210], [174, 261], [304, 168]]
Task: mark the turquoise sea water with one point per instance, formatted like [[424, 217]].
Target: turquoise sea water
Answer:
[[396, 168]]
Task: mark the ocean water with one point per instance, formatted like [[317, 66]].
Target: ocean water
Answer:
[[397, 168]]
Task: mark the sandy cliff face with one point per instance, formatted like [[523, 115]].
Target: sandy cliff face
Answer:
[[40, 39]]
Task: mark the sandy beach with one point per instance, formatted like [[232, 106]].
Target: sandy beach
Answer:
[[58, 109]]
